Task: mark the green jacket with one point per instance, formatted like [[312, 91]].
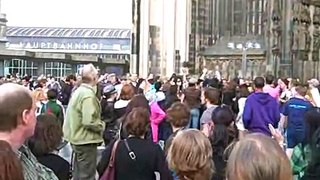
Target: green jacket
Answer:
[[83, 124]]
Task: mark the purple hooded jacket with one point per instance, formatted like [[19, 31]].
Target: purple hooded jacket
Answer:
[[260, 110]]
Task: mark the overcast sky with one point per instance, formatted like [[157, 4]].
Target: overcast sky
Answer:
[[68, 13]]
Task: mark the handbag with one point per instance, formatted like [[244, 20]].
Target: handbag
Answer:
[[109, 173]]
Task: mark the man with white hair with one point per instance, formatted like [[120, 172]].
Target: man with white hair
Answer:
[[83, 126]]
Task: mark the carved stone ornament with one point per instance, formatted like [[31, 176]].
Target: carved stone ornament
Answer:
[[295, 37], [295, 11], [303, 55], [305, 15], [315, 3], [305, 2], [316, 40], [315, 55], [308, 41], [316, 16]]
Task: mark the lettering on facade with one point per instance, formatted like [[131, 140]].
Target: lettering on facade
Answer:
[[65, 46]]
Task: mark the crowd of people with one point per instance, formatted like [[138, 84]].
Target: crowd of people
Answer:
[[177, 128]]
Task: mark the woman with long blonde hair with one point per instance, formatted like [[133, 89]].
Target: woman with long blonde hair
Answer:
[[190, 155], [39, 98]]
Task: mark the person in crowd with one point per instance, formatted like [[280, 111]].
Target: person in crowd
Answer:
[[135, 158], [107, 112], [53, 107], [270, 89], [10, 167], [41, 83], [171, 96], [286, 93], [258, 157], [314, 92], [137, 101], [66, 90], [294, 112], [260, 110], [40, 99], [241, 101], [44, 145], [134, 80], [157, 115], [190, 155], [107, 103], [53, 84], [160, 95], [228, 93], [17, 124], [305, 156], [83, 127], [139, 89], [222, 134], [127, 92], [165, 129], [192, 97], [211, 98], [178, 116]]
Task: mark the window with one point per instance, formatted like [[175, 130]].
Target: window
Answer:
[[21, 67], [57, 69], [254, 16]]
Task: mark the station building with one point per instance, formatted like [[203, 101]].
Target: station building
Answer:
[[61, 51]]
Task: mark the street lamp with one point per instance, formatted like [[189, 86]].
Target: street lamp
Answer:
[[244, 47]]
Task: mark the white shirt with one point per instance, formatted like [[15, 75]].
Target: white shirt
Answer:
[[239, 121]]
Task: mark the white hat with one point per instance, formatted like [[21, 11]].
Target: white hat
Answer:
[[314, 82]]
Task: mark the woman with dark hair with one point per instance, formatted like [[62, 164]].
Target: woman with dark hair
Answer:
[[136, 158], [223, 133], [137, 101], [10, 166], [44, 145], [171, 96], [138, 89]]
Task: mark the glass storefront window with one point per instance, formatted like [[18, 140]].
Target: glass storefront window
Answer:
[[57, 69], [21, 67]]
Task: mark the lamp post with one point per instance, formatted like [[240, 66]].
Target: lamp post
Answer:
[[244, 47]]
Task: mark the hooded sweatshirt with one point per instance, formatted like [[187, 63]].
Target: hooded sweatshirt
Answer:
[[260, 110]]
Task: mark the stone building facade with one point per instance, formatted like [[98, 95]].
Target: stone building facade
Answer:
[[289, 32]]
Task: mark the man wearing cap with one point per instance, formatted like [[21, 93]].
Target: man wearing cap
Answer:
[[107, 112]]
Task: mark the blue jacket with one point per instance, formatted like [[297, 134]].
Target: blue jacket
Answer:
[[260, 110]]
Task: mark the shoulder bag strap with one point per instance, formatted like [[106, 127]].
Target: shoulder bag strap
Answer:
[[131, 153], [113, 154]]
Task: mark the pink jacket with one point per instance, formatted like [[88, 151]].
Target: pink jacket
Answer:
[[274, 92], [157, 116]]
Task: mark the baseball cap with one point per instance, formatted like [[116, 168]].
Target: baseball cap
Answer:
[[109, 89]]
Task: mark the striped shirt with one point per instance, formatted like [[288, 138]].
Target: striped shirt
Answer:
[[32, 169]]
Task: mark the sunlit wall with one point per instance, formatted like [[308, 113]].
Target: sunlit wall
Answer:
[[164, 33]]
